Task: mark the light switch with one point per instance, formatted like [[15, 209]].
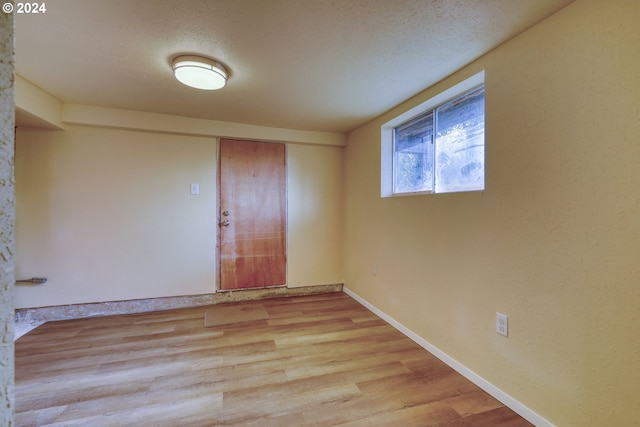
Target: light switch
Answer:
[[195, 189]]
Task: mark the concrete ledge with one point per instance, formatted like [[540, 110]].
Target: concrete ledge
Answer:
[[27, 319]]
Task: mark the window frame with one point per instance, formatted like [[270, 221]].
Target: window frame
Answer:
[[387, 157]]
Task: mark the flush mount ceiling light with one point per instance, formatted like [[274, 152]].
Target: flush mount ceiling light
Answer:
[[199, 72]]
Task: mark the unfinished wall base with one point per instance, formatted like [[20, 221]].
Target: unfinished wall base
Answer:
[[26, 319]]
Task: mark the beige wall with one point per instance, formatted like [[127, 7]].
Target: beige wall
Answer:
[[553, 241], [106, 215]]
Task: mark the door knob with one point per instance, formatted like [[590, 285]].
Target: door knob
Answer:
[[226, 213], [225, 223]]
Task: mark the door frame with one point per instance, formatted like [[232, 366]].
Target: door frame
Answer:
[[218, 215]]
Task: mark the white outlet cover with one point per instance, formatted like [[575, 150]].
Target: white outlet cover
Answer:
[[502, 324]]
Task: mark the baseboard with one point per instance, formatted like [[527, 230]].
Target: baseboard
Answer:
[[485, 385], [26, 319]]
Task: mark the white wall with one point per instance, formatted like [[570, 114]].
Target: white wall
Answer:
[[106, 215], [315, 214]]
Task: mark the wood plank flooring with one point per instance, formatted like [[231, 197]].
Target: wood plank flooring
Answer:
[[321, 360]]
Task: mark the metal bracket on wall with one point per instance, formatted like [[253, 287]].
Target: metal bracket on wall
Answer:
[[33, 280]]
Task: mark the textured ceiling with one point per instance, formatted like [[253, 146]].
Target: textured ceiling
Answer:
[[327, 65]]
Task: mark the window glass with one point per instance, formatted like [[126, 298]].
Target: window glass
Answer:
[[436, 146], [459, 160], [442, 150], [413, 154]]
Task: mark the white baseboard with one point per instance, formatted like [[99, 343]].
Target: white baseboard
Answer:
[[485, 385]]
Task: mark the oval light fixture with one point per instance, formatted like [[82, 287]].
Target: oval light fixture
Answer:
[[199, 72]]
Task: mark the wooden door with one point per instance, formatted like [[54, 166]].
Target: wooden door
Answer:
[[252, 214]]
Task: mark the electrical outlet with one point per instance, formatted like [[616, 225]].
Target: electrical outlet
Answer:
[[374, 269], [502, 325]]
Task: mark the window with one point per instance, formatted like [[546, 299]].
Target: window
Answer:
[[437, 147]]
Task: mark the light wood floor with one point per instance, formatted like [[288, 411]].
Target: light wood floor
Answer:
[[320, 360]]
